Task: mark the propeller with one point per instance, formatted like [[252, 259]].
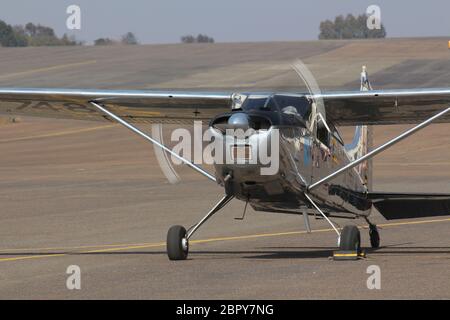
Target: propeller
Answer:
[[315, 94]]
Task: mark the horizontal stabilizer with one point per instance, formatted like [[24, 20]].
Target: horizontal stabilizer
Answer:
[[411, 205]]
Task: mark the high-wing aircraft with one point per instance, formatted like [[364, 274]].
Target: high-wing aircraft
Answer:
[[317, 173]]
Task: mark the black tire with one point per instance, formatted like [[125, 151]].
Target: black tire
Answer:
[[374, 237], [350, 239], [175, 238]]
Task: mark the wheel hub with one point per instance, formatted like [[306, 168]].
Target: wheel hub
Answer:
[[185, 244]]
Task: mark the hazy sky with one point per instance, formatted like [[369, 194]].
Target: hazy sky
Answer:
[[164, 21]]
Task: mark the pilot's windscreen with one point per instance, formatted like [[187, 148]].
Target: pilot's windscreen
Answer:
[[294, 105], [258, 104]]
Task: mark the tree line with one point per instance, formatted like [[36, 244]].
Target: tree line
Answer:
[[201, 38], [349, 27], [128, 39], [35, 35], [32, 35]]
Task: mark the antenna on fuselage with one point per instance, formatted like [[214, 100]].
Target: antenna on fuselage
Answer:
[[365, 83]]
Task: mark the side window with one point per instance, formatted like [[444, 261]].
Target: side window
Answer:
[[323, 135], [337, 136]]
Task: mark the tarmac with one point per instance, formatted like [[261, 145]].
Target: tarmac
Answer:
[[91, 194]]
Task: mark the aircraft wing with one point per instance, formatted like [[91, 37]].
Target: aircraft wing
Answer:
[[385, 106], [133, 105], [343, 108]]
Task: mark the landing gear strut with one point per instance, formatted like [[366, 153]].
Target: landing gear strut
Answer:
[[178, 237], [374, 235]]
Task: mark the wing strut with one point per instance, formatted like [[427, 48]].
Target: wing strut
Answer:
[[323, 215], [376, 151], [147, 137]]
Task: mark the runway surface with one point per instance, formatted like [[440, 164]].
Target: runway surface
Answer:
[[92, 194]]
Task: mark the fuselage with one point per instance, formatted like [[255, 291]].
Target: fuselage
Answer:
[[284, 151]]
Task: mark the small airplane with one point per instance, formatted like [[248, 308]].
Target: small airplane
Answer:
[[317, 173]]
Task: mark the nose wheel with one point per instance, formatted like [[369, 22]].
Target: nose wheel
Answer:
[[178, 238], [177, 243]]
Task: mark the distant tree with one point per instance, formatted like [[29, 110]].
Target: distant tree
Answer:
[[7, 35], [188, 39], [41, 35], [104, 42], [21, 37], [350, 27], [32, 35], [129, 38], [70, 41], [31, 29], [327, 30], [201, 38], [38, 35]]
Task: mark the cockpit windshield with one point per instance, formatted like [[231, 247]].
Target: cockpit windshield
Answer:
[[283, 109], [258, 103], [294, 105], [289, 104]]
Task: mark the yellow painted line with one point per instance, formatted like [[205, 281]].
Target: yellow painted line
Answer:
[[52, 68], [150, 245], [118, 245], [83, 252], [245, 237], [412, 222], [160, 244], [263, 235], [60, 133], [33, 257]]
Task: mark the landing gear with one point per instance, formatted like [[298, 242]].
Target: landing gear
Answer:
[[178, 238], [374, 236], [177, 243], [350, 239]]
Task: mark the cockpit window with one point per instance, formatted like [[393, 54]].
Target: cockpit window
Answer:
[[257, 104], [294, 105]]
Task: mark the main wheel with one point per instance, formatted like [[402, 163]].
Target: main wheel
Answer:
[[350, 239], [177, 244], [374, 237]]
